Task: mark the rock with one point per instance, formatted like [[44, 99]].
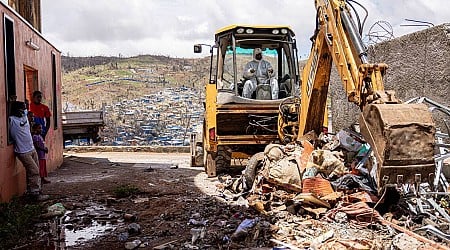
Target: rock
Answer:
[[133, 244], [195, 216], [341, 217], [129, 217], [134, 228], [57, 209], [405, 242]]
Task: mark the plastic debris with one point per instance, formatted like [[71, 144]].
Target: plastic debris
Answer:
[[54, 210], [197, 222], [197, 233], [242, 230]]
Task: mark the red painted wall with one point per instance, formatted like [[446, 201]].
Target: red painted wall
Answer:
[[12, 173]]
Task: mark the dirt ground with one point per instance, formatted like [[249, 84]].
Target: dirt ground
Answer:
[[137, 200], [168, 200]]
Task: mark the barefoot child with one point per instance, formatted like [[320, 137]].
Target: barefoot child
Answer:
[[41, 149]]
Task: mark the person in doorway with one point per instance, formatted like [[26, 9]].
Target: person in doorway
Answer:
[[19, 130], [41, 150], [41, 112], [256, 72]]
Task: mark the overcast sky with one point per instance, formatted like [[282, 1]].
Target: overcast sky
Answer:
[[171, 27]]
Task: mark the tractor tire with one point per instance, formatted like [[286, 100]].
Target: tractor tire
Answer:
[[223, 159], [253, 165]]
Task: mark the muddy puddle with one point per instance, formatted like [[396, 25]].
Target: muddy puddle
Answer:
[[79, 226], [75, 237]]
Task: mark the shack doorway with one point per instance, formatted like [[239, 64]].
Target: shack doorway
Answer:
[[30, 77]]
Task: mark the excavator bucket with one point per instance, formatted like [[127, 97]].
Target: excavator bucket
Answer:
[[402, 137]]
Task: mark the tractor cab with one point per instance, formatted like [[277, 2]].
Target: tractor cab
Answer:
[[233, 55], [253, 70]]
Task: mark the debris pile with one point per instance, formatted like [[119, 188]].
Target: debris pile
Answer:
[[322, 193], [316, 195]]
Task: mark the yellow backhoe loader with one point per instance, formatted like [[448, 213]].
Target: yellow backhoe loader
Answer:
[[400, 135], [237, 126]]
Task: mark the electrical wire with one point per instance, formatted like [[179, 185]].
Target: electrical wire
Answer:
[[263, 122], [357, 17], [365, 16]]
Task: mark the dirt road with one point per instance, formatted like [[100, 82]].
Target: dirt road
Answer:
[[130, 200], [113, 199]]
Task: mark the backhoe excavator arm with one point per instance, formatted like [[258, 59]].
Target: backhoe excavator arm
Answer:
[[337, 40], [401, 135]]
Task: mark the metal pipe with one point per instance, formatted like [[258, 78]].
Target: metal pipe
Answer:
[[429, 101], [442, 135], [429, 24], [354, 36], [420, 206], [432, 243], [444, 182], [233, 39], [435, 193], [442, 157], [435, 231], [439, 165]]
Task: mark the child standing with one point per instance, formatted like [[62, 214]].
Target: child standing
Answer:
[[19, 130], [41, 150]]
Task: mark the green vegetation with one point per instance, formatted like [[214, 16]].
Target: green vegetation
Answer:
[[124, 191], [16, 219]]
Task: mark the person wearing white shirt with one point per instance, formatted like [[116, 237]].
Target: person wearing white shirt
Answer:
[[19, 130]]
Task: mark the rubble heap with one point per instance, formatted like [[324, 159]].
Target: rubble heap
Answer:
[[321, 193]]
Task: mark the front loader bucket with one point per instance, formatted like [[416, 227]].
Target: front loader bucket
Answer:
[[402, 139]]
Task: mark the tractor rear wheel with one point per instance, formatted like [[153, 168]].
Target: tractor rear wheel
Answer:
[[223, 159]]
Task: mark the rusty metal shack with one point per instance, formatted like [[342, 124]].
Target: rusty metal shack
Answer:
[[29, 62], [82, 124]]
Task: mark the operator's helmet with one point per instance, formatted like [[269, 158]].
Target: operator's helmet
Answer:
[[257, 51]]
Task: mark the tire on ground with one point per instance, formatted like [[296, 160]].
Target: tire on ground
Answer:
[[250, 170], [223, 159]]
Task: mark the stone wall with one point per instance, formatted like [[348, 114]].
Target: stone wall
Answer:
[[150, 149], [419, 65]]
